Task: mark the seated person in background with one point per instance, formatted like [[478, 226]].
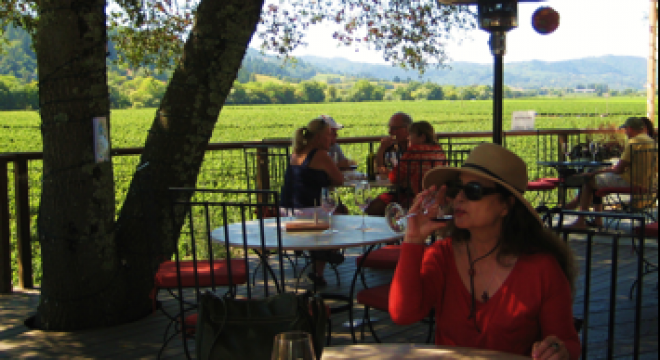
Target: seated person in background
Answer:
[[336, 154], [422, 145], [619, 174], [396, 143], [499, 280], [310, 169], [335, 151], [392, 146], [650, 131]]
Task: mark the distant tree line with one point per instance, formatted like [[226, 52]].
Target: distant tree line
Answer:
[[146, 91], [15, 95], [299, 83]]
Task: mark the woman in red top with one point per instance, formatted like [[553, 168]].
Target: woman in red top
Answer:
[[498, 280], [422, 145]]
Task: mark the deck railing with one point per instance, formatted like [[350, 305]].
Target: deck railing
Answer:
[[20, 177]]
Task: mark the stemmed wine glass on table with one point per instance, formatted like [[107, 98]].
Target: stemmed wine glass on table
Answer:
[[329, 203], [362, 200], [293, 345], [567, 150], [593, 149]]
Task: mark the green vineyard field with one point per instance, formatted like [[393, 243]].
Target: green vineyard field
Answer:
[[226, 169]]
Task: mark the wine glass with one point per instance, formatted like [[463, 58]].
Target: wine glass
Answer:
[[567, 150], [396, 216], [362, 200], [293, 345], [329, 203], [393, 159], [593, 149]]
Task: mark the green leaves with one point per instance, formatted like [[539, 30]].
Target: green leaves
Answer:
[[409, 34]]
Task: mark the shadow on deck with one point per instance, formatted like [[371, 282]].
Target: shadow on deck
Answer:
[[143, 338]]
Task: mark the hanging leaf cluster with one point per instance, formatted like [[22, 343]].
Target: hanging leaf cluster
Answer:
[[150, 33], [408, 33], [18, 13]]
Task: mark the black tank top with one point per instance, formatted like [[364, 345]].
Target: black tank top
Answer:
[[302, 184]]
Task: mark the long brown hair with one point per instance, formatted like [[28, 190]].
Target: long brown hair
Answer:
[[425, 129], [522, 234], [650, 131]]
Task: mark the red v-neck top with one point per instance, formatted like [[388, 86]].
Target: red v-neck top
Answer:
[[533, 302]]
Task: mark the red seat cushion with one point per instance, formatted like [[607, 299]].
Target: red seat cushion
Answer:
[[384, 258], [650, 230], [166, 276], [540, 185], [550, 180], [191, 324], [376, 297]]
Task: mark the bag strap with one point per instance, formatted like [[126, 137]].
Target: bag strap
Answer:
[[212, 296], [316, 306]]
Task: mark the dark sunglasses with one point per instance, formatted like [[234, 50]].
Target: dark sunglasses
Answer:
[[473, 190]]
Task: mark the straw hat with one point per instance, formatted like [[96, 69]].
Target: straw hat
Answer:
[[492, 162]]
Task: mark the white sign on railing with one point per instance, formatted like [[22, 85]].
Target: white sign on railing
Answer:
[[101, 139], [523, 120]]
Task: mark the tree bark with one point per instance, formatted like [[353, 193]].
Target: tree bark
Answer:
[[97, 274], [177, 140], [76, 213]]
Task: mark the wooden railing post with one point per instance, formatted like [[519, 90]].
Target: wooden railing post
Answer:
[[5, 241], [23, 236], [263, 171], [562, 139]]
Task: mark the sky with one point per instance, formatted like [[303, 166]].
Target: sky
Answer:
[[587, 28]]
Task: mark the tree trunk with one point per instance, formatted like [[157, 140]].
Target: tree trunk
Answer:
[[177, 141], [76, 213], [92, 278]]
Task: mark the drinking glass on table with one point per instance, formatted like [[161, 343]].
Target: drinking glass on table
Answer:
[[593, 149], [329, 203], [566, 147], [362, 200], [293, 345]]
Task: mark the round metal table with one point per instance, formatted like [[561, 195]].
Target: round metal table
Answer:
[[347, 236]]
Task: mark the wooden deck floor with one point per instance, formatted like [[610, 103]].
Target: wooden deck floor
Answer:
[[143, 338]]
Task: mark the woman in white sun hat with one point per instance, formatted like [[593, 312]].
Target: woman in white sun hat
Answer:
[[499, 280]]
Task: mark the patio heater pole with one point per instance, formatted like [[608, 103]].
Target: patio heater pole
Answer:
[[497, 48], [497, 17]]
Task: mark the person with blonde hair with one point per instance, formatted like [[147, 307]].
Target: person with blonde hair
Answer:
[[311, 169], [498, 279]]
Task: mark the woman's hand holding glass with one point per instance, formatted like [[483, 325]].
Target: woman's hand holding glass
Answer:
[[429, 206]]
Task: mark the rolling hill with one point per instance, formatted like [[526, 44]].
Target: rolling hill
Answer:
[[618, 72]]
